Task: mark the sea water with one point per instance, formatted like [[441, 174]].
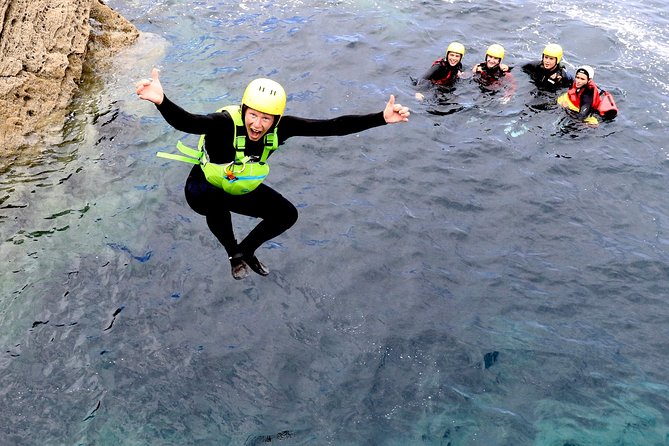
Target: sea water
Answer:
[[488, 273]]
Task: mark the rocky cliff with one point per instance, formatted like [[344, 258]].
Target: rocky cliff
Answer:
[[45, 45]]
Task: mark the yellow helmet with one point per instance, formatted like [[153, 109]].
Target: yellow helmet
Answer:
[[553, 50], [266, 96], [456, 47], [496, 50]]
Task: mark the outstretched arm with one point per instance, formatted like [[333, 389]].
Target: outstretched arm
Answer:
[[395, 112], [151, 89], [342, 125]]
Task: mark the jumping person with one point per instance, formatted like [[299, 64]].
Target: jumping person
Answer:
[[445, 70], [231, 160], [549, 73]]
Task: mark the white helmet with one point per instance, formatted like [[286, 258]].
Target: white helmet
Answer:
[[587, 69]]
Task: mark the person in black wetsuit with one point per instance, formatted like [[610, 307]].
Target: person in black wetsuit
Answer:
[[549, 74], [446, 70], [261, 115], [493, 75]]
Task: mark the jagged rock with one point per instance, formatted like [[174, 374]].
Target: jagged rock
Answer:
[[44, 47]]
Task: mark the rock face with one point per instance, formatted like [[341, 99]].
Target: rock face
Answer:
[[45, 45]]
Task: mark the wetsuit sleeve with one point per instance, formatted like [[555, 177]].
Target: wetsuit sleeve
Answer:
[[425, 79], [188, 122], [586, 104], [431, 73], [567, 79], [343, 125], [529, 68]]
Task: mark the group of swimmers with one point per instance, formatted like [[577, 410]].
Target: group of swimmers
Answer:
[[583, 99]]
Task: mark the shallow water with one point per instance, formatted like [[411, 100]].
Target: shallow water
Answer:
[[488, 273]]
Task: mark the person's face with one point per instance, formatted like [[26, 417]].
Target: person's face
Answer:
[[549, 62], [492, 61], [257, 123], [580, 79], [453, 58]]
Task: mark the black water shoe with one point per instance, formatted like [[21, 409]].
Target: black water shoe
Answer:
[[256, 265], [239, 267]]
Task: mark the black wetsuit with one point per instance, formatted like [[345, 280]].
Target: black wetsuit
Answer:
[[442, 73], [551, 80], [490, 76], [277, 213], [586, 99]]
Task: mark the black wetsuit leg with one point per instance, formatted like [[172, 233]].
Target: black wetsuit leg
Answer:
[[277, 213]]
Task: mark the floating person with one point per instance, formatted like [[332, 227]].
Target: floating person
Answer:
[[585, 101], [230, 162], [493, 75], [445, 70], [549, 73]]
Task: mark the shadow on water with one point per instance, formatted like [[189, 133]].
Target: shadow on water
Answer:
[[490, 273]]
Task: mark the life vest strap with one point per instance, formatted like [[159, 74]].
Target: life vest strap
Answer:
[[271, 143], [190, 152], [192, 156], [173, 156]]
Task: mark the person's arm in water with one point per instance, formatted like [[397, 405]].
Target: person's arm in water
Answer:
[[509, 85], [428, 77], [430, 74], [586, 105], [567, 79], [529, 68]]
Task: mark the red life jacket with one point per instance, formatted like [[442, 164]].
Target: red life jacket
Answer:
[[575, 94], [602, 101], [451, 73]]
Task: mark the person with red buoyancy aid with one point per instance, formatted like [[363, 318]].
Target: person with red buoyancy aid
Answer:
[[231, 161], [445, 70], [585, 101], [493, 74]]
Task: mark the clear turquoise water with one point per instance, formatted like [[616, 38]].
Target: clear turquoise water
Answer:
[[486, 274]]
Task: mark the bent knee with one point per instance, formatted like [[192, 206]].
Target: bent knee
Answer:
[[290, 215]]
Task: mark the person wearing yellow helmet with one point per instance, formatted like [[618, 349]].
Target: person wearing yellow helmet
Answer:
[[263, 103], [492, 67], [445, 70], [492, 74], [549, 73], [231, 160]]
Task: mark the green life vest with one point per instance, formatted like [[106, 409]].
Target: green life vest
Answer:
[[238, 177]]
